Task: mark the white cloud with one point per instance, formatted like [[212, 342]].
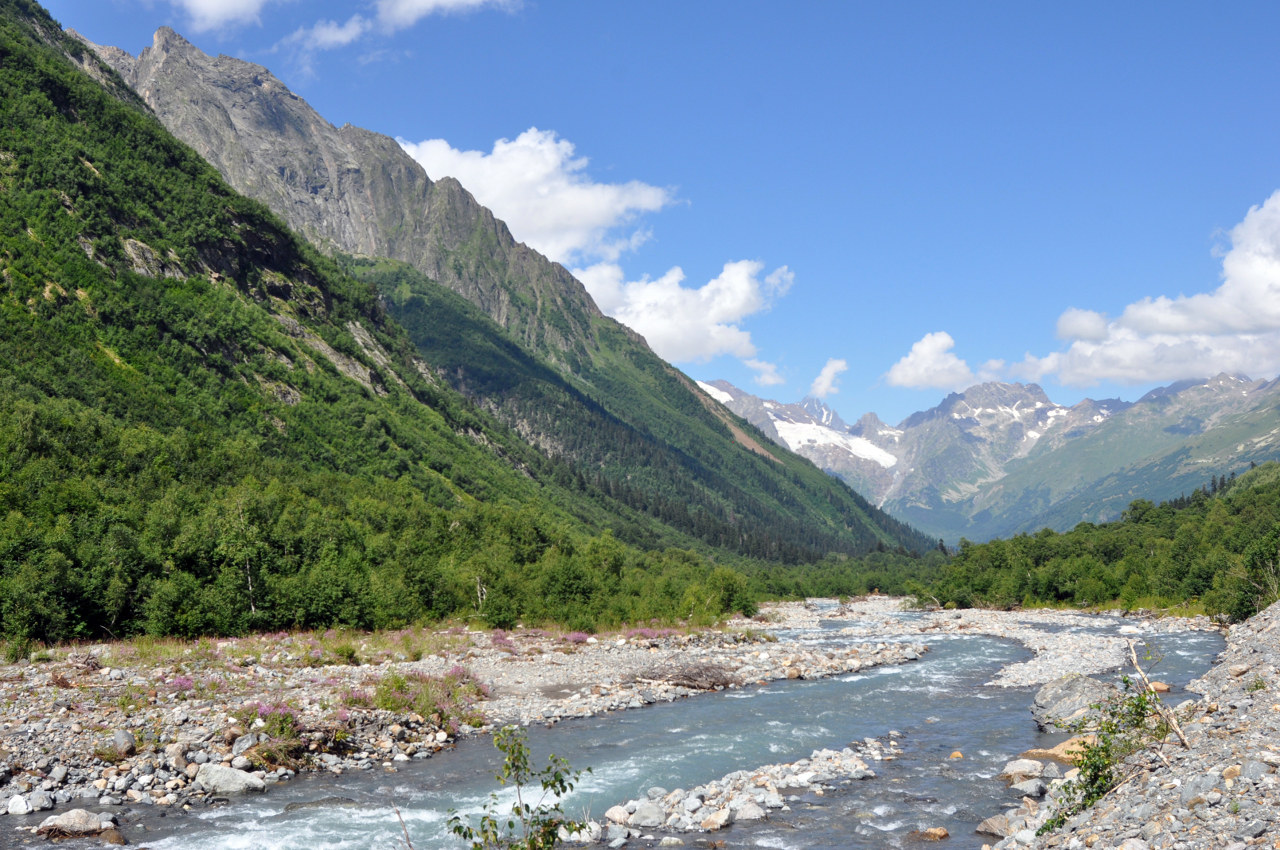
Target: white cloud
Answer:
[[401, 14], [1235, 328], [538, 185], [326, 35], [1082, 324], [684, 324], [391, 16], [931, 365], [216, 14], [828, 379], [766, 373]]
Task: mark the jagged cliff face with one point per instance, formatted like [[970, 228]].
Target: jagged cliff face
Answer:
[[354, 190]]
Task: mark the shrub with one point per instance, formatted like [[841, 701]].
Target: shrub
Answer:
[[528, 825]]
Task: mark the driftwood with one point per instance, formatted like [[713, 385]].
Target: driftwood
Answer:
[[1165, 712], [692, 675]]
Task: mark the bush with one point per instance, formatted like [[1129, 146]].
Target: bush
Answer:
[[528, 826]]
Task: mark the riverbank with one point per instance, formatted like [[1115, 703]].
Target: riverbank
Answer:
[[1222, 789], [172, 724], [194, 714]]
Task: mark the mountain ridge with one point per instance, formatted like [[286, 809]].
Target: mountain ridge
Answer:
[[577, 384], [999, 458]]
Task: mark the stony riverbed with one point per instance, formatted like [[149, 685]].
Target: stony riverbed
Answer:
[[101, 729]]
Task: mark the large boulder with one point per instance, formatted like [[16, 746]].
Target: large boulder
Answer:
[[1068, 700], [73, 823], [217, 779]]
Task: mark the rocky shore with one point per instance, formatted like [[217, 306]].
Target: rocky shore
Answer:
[[1221, 790], [1064, 642]]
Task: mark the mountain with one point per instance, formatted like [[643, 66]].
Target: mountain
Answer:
[[514, 332], [1000, 458]]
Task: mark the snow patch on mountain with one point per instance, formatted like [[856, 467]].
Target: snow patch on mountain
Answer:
[[803, 437], [715, 392]]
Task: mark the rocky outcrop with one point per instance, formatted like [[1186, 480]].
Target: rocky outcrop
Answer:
[[354, 190]]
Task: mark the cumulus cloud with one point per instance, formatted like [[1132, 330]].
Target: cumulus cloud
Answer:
[[1234, 328], [931, 365], [216, 14], [691, 324], [828, 379], [538, 185]]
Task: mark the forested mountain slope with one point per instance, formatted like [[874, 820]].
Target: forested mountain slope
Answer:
[[209, 427], [578, 385]]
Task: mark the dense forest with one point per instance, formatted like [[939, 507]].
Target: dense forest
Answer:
[[1218, 549]]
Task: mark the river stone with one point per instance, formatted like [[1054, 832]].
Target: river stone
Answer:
[[997, 825], [227, 780], [1255, 770], [124, 742], [718, 819], [243, 743], [750, 811], [1019, 770], [72, 823], [18, 805], [58, 774], [617, 814], [40, 801], [1067, 700], [647, 814], [1030, 788]]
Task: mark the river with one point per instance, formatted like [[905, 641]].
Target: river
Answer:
[[939, 704]]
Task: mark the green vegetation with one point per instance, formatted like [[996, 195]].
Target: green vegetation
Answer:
[[632, 432], [1131, 721], [210, 429], [527, 825], [1220, 548]]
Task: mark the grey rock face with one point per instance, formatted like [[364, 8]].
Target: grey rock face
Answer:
[[352, 189]]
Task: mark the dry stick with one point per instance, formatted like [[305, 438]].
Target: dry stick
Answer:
[[1164, 710], [407, 843]]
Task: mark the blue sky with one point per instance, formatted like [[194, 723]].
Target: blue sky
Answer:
[[879, 202]]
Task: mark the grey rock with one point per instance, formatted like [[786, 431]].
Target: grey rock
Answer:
[[40, 801], [647, 814], [1252, 829], [243, 743], [1255, 770], [1030, 788], [18, 805], [227, 780], [124, 742], [58, 774], [1068, 700]]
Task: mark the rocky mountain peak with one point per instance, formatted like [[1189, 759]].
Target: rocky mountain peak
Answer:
[[355, 191]]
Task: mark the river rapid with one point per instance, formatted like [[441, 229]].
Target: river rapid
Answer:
[[939, 705]]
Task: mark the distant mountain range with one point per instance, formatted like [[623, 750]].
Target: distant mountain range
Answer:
[[1000, 458]]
